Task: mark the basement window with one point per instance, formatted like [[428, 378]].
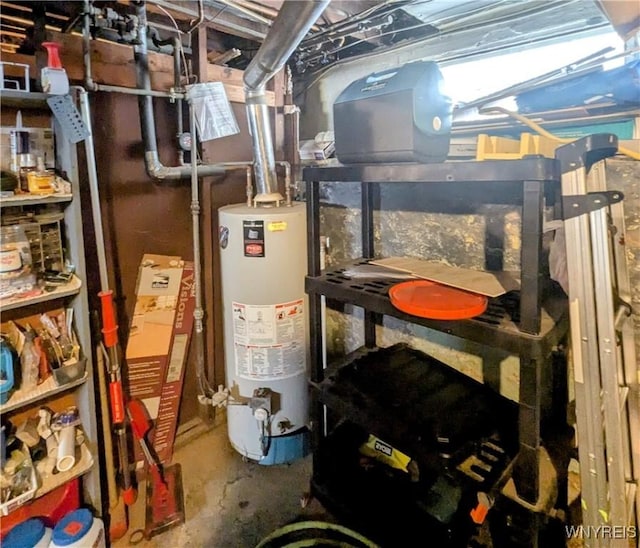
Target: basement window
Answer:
[[472, 80]]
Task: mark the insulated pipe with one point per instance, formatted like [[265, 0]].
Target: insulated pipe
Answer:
[[243, 9], [294, 20], [267, 10], [154, 167]]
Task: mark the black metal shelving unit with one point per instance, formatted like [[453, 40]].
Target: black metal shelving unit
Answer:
[[528, 323]]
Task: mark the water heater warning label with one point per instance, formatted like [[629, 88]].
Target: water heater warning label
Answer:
[[253, 238], [269, 340]]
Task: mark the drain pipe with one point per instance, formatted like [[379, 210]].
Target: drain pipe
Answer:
[[294, 20], [91, 85], [154, 167], [177, 75]]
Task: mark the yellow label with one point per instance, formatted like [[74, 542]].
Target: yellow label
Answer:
[[383, 452], [277, 226]]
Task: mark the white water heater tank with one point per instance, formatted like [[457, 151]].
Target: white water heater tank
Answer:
[[263, 259]]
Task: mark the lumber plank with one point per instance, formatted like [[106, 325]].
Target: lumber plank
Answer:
[[491, 284], [112, 64]]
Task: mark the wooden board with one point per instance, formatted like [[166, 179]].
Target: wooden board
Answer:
[[113, 64], [491, 284]]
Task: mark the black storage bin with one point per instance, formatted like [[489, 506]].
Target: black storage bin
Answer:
[[397, 115]]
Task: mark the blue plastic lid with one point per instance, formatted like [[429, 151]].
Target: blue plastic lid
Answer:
[[72, 527], [25, 535]]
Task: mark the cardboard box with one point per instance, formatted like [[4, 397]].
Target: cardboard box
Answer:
[[158, 345], [320, 148]]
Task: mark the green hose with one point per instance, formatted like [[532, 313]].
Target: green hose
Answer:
[[302, 526], [314, 542]]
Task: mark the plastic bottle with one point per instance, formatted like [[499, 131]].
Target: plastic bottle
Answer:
[[16, 272], [29, 362], [40, 180], [79, 529], [31, 533], [43, 365], [7, 371], [27, 165]]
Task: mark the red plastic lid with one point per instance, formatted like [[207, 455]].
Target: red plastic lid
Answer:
[[436, 301]]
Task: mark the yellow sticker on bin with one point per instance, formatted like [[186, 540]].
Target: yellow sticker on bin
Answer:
[[383, 452]]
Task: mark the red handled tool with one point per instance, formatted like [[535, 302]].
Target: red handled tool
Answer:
[[165, 501], [116, 397]]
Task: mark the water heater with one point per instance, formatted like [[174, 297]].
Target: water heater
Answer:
[[263, 254]]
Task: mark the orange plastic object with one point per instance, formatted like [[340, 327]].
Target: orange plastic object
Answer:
[[51, 508], [53, 54], [436, 301], [109, 325], [479, 514]]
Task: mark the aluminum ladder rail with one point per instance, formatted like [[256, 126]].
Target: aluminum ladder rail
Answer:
[[605, 369]]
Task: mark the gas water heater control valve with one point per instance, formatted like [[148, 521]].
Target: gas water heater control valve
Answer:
[[260, 403], [261, 414]]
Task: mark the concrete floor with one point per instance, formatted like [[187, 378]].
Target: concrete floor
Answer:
[[229, 502]]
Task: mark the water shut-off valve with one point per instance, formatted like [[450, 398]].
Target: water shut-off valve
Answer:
[[218, 399]]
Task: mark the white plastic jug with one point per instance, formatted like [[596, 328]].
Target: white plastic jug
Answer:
[[31, 533], [79, 529]]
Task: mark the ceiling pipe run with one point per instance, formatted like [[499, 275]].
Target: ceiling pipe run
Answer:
[[294, 20]]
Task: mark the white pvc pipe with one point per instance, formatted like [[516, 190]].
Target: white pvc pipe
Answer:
[[66, 449]]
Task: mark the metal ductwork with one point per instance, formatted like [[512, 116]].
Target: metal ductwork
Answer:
[[154, 167], [294, 20]]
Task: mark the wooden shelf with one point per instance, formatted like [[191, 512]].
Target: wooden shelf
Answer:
[[72, 288], [26, 199], [23, 99], [49, 482], [21, 398]]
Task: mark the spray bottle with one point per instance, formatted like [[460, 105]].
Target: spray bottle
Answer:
[[53, 77]]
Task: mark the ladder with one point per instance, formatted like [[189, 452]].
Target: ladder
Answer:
[[605, 369]]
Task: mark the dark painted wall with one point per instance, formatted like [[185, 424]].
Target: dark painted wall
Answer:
[[144, 216]]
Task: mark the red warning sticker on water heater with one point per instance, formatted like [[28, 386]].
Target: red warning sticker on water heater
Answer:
[[253, 238]]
